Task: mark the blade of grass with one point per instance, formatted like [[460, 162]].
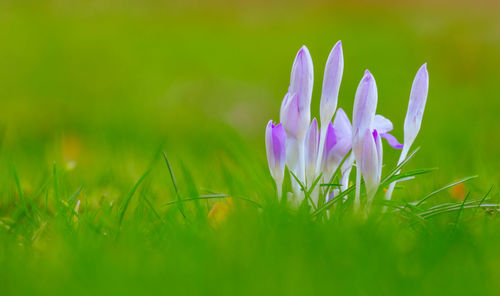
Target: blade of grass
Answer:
[[456, 208], [315, 183], [486, 195], [130, 195], [150, 205], [21, 196], [75, 195], [172, 176], [444, 188], [212, 196], [401, 176], [399, 166], [459, 214], [56, 183], [307, 196], [328, 204]]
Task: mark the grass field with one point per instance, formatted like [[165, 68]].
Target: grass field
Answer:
[[93, 92]]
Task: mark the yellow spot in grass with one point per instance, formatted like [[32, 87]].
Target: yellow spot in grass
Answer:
[[458, 192], [220, 211], [71, 150]]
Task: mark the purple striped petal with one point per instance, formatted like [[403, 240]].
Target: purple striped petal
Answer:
[[378, 145], [276, 149], [365, 104], [301, 80], [331, 83], [338, 143], [392, 141], [331, 138], [279, 144], [311, 149]]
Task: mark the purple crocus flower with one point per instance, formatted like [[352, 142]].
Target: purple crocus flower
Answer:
[[311, 149], [331, 84], [416, 106], [414, 114], [371, 163], [363, 116], [384, 126], [296, 113], [301, 85], [276, 152], [337, 143], [329, 96], [330, 159], [291, 118]]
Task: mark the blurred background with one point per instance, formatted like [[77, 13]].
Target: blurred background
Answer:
[[99, 87], [92, 91]]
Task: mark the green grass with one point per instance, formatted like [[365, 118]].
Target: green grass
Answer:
[[92, 94]]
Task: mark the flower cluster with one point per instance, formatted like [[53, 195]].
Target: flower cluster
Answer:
[[310, 150]]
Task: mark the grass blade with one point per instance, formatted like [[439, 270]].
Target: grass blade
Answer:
[[172, 176], [212, 196], [399, 166], [75, 195], [444, 188], [307, 196], [130, 195], [21, 196]]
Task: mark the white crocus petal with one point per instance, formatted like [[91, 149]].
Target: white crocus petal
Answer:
[[369, 163], [331, 84], [311, 146], [301, 84], [416, 106], [365, 104], [382, 124], [343, 132], [414, 114]]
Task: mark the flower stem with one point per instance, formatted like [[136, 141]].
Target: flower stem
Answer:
[[320, 148], [279, 189], [357, 201], [402, 157]]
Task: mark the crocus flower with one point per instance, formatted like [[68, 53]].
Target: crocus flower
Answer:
[[311, 151], [293, 124], [384, 126], [344, 180], [329, 96], [371, 163], [416, 106], [331, 84], [296, 113], [276, 152], [337, 143], [414, 114], [342, 130], [363, 116], [301, 84]]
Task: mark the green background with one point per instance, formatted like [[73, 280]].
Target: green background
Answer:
[[95, 90]]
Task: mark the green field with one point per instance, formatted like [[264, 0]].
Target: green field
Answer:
[[93, 92]]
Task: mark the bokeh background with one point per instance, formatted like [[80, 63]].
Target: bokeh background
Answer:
[[99, 88], [104, 84]]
